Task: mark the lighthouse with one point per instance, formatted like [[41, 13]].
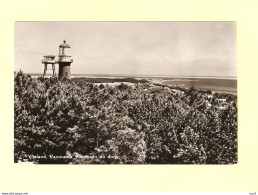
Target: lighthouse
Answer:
[[64, 60]]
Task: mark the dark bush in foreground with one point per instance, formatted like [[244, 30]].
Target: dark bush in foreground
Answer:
[[77, 122]]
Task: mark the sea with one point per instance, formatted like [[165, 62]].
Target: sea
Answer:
[[221, 85]]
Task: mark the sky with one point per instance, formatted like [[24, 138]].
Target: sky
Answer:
[[131, 48]]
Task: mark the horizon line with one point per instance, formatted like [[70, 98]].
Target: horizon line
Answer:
[[139, 75]]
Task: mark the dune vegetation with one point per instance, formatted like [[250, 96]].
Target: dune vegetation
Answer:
[[77, 122]]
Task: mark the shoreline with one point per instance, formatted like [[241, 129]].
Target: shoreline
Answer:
[[155, 80], [140, 76]]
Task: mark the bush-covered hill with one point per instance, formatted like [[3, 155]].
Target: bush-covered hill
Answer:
[[79, 122]]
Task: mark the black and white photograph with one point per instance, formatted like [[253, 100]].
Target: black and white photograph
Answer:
[[125, 93]]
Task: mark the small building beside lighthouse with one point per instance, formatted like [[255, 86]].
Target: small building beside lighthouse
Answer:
[[63, 59]]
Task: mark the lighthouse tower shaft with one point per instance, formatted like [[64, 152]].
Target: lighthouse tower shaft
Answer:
[[64, 61]]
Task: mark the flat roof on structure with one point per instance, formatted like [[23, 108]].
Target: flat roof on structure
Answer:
[[50, 56]]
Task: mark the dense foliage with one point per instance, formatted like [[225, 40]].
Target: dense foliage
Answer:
[[123, 124]]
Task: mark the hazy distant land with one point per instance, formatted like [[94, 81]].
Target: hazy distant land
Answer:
[[215, 84]]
